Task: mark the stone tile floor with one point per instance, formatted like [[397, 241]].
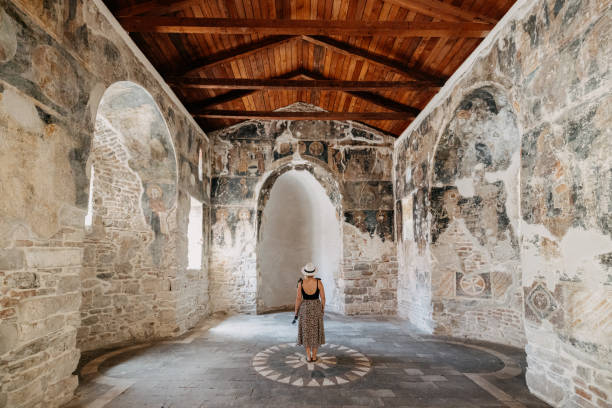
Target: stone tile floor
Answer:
[[252, 361]]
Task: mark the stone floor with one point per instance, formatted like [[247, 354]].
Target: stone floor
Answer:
[[251, 361]]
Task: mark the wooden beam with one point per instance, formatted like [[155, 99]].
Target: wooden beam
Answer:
[[197, 25], [442, 11], [154, 7], [375, 99], [218, 100], [297, 84], [383, 102], [320, 115], [378, 60], [232, 95], [243, 51]]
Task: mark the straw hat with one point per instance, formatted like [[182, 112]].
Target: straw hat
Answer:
[[309, 270]]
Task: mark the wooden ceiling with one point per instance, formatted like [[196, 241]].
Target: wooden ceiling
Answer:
[[374, 61]]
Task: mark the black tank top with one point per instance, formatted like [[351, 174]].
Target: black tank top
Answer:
[[306, 295]]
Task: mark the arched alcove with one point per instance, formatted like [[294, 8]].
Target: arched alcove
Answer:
[[297, 224], [131, 220]]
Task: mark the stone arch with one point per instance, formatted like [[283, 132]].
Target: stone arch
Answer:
[[131, 237], [474, 207], [312, 176]]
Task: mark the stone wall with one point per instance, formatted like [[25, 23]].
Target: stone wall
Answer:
[[505, 180], [352, 163], [56, 61], [130, 246]]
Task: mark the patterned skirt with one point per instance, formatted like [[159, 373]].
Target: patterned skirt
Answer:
[[310, 328]]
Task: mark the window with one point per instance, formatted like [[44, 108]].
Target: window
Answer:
[[89, 215], [195, 235]]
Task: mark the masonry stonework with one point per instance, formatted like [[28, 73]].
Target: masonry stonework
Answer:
[[503, 196], [56, 61], [352, 163]]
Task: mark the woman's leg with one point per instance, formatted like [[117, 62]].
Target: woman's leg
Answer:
[[308, 353], [313, 353]]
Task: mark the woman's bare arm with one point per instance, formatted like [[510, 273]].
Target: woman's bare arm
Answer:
[[322, 296], [298, 298]]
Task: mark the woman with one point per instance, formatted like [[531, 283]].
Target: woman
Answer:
[[310, 329]]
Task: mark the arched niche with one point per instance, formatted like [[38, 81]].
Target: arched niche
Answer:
[[474, 212], [131, 220], [299, 207]]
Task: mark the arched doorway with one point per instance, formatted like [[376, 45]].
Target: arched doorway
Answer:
[[297, 224], [131, 221]]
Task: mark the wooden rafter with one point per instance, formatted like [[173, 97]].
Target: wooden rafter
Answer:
[[378, 60], [196, 25], [232, 95], [383, 102], [316, 115], [243, 51], [219, 100], [375, 99], [297, 84], [432, 8], [154, 7], [370, 97], [442, 11]]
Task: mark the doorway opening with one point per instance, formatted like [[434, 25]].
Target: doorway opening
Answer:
[[298, 225]]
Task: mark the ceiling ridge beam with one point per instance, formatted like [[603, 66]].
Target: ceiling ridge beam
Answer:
[[315, 115], [442, 11], [379, 60], [297, 84], [234, 26], [239, 52]]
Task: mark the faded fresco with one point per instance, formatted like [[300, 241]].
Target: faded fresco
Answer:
[[526, 127], [353, 165], [473, 245], [141, 130]]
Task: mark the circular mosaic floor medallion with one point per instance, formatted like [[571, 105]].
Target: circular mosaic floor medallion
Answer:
[[336, 365]]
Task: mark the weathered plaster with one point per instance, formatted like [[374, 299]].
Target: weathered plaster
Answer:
[[550, 61], [353, 165], [56, 61]]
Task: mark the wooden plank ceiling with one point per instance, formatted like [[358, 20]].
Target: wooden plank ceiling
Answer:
[[374, 61]]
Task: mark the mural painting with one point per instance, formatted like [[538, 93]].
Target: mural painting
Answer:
[[361, 164], [315, 149], [232, 190], [156, 213], [368, 195], [283, 149], [233, 231], [353, 165], [221, 231], [375, 223], [470, 226], [244, 158], [133, 114]]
